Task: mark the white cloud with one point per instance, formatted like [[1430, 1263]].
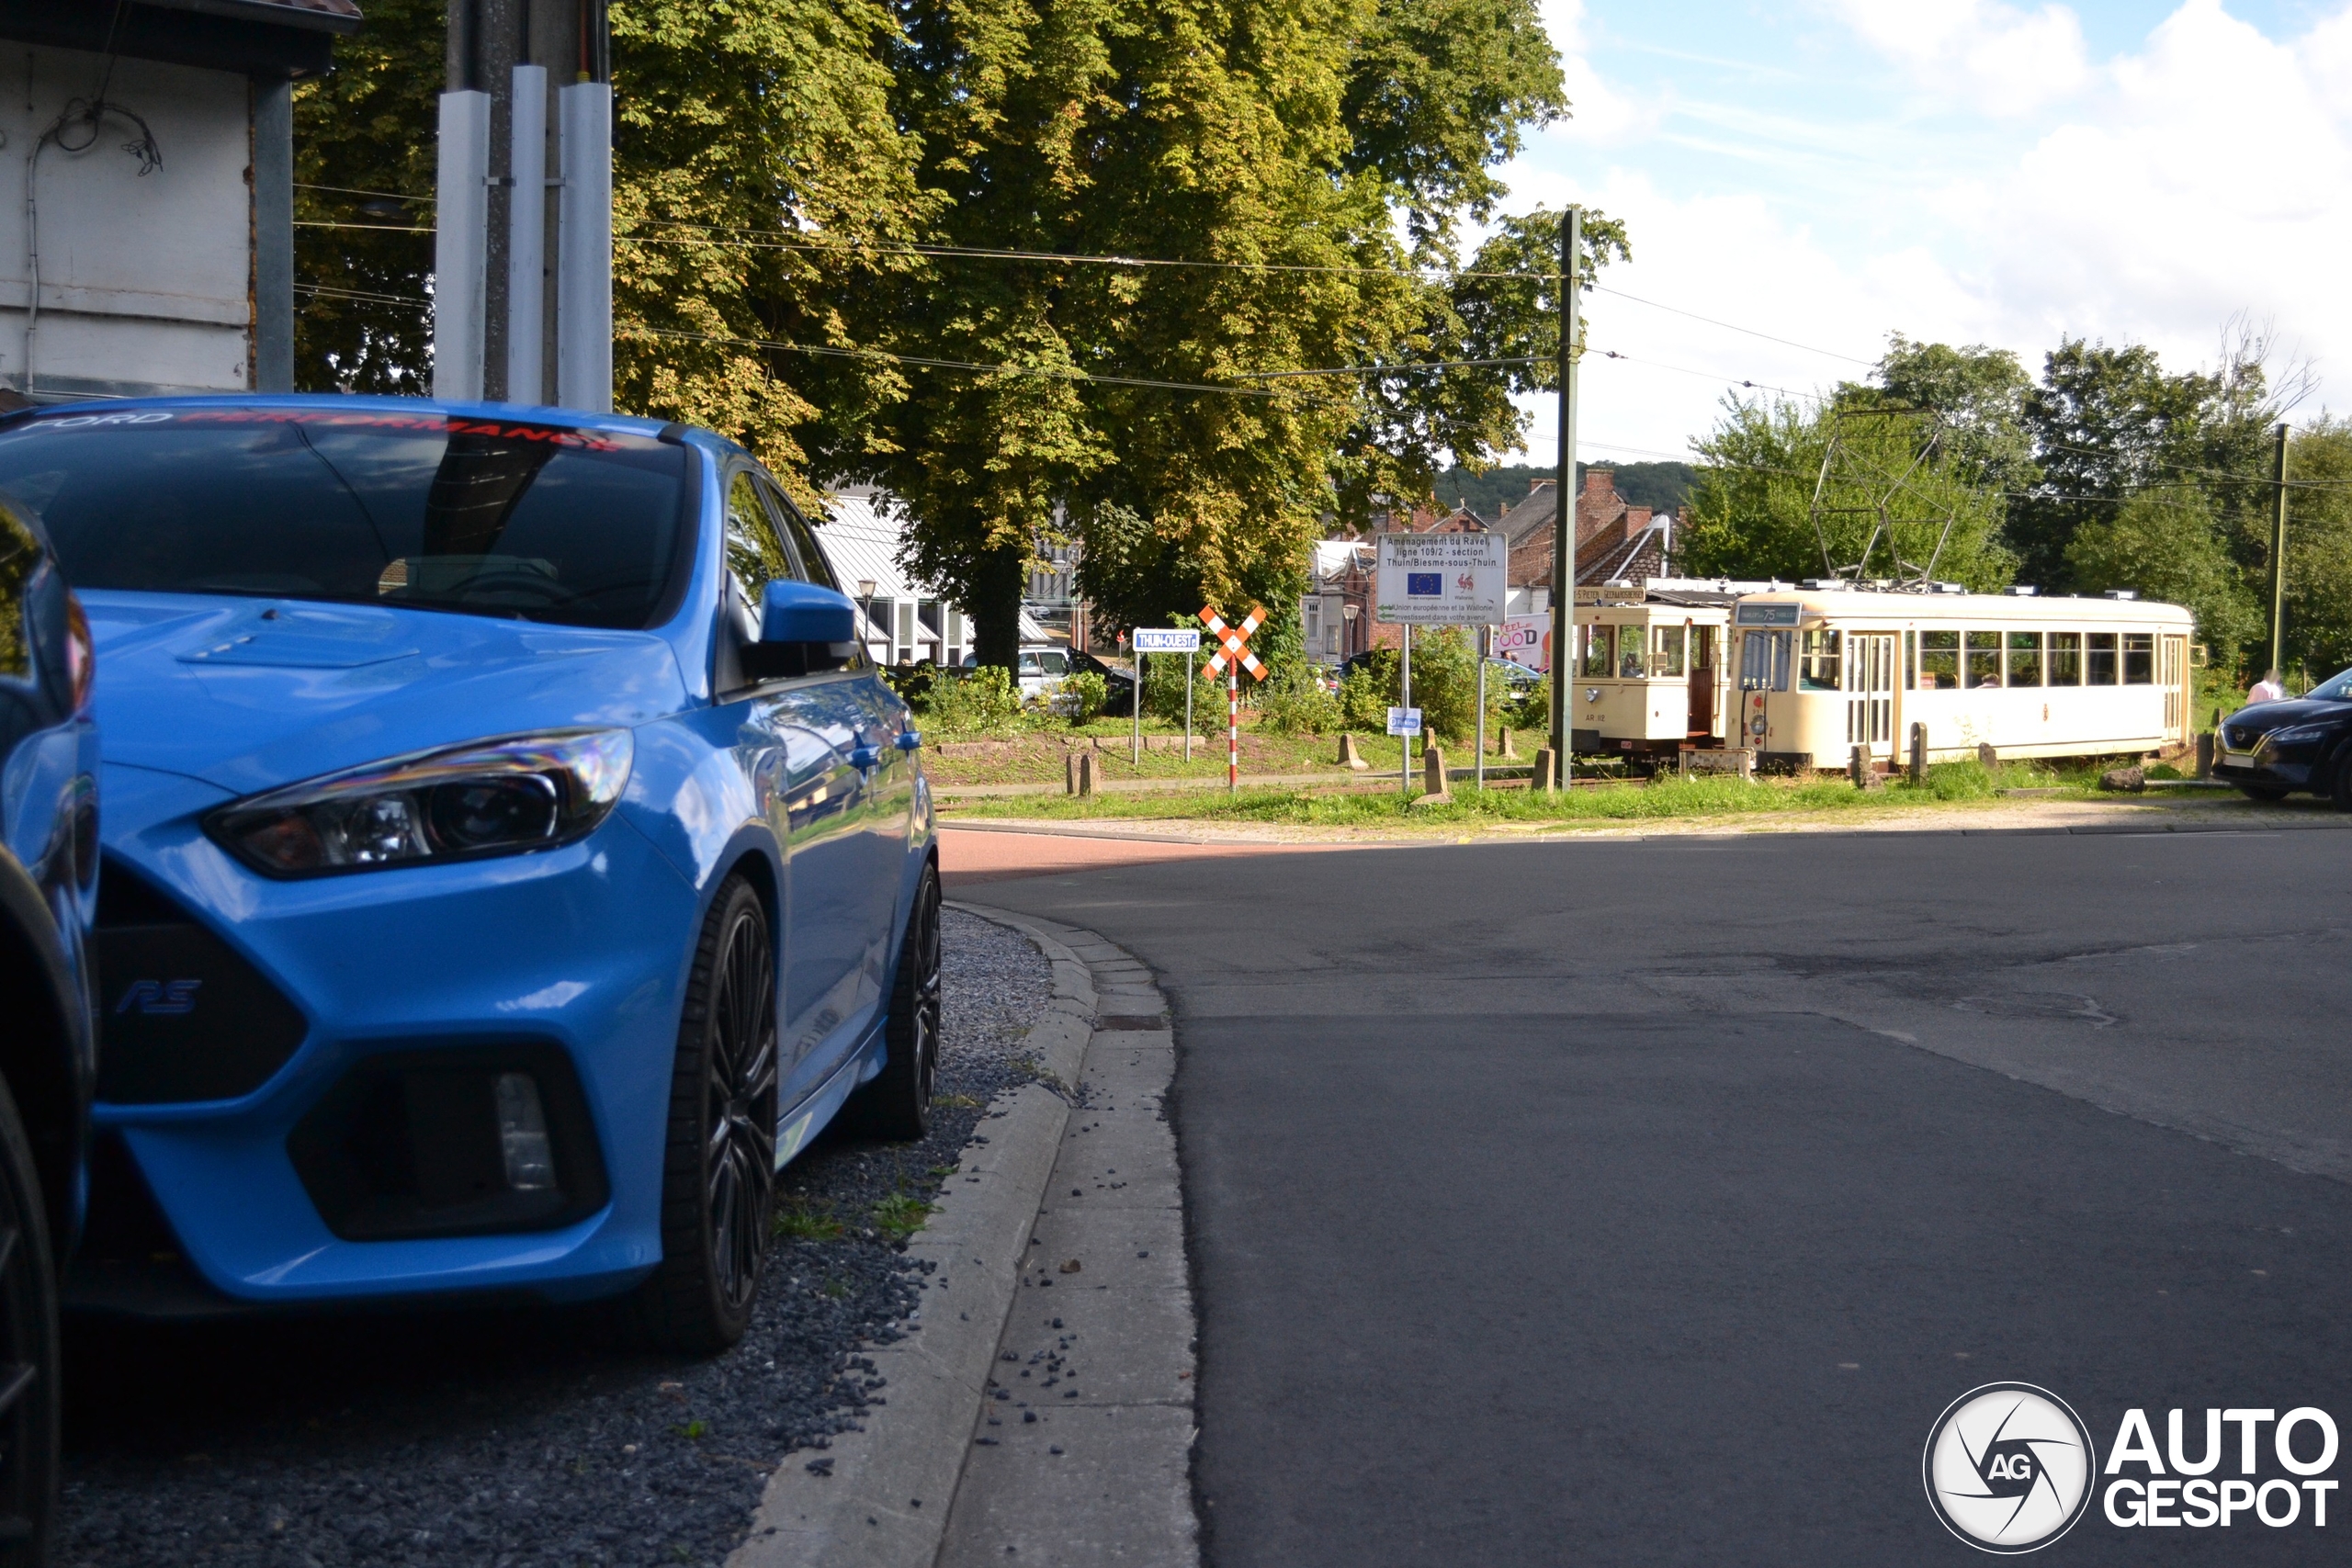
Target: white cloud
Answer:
[[1598, 112], [1987, 55], [2203, 173]]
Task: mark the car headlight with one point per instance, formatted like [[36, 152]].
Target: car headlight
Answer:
[[493, 797], [2299, 735]]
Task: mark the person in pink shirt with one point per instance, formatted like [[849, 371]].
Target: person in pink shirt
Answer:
[[2267, 689]]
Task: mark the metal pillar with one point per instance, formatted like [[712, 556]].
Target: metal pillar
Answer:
[[273, 369], [459, 247], [2279, 555], [1563, 521], [527, 234]]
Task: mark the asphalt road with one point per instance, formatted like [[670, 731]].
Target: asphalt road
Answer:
[[1632, 1202]]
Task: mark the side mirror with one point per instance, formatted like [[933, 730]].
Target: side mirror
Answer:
[[798, 612]]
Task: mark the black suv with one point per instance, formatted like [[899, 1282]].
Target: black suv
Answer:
[[2272, 749], [49, 870]]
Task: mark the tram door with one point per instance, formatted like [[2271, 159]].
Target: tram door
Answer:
[[1702, 682], [2171, 674], [1869, 689]]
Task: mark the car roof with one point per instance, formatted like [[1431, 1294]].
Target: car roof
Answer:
[[536, 414]]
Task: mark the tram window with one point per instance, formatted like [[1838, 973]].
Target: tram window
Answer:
[[1983, 659], [1819, 660], [2101, 660], [1669, 649], [2139, 658], [2025, 658], [2065, 658], [1629, 663], [1764, 661], [1595, 651], [1939, 662]]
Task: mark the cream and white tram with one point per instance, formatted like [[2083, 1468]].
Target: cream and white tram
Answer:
[[1649, 669], [1819, 671]]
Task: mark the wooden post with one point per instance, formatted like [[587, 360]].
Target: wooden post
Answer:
[[1918, 769]]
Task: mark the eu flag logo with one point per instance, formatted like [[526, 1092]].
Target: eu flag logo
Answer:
[[1420, 584]]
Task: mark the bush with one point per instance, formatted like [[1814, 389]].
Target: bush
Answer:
[[985, 698], [1532, 711], [1369, 692], [1294, 702], [1445, 684], [1163, 689], [1082, 696]]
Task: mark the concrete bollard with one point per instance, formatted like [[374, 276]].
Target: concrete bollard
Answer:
[[2205, 755], [1078, 774], [1436, 788], [1986, 755], [1348, 757], [1919, 767], [1503, 747], [1858, 766], [1069, 773], [1544, 776]]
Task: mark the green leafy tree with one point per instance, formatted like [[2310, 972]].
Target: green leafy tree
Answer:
[[364, 154], [1979, 395], [2319, 551], [1890, 505], [2167, 544], [2108, 422]]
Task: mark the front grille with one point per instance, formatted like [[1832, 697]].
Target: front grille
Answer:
[[182, 1016]]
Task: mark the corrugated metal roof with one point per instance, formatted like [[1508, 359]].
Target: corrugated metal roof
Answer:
[[862, 535]]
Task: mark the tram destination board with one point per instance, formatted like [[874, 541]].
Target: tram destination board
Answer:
[[1747, 614]]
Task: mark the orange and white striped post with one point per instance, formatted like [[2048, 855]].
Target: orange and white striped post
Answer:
[[1231, 659]]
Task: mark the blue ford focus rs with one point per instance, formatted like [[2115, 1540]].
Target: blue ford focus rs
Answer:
[[511, 859]]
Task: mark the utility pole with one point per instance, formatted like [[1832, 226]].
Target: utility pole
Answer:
[[2278, 555], [523, 256], [1564, 517]]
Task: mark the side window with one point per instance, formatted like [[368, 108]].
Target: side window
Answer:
[[814, 566], [755, 553]]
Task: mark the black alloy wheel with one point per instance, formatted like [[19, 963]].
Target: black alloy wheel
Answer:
[[28, 1353], [897, 1103], [718, 1171]]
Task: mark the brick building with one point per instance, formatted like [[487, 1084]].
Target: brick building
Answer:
[[1615, 540]]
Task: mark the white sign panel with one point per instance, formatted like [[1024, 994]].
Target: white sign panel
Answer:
[[1526, 641], [1441, 580], [1167, 639], [1404, 721]]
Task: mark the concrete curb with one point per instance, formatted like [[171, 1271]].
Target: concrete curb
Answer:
[[886, 1501]]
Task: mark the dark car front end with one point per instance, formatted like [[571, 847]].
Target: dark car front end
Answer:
[[2273, 750]]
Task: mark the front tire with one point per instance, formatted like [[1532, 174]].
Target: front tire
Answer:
[[2339, 792], [897, 1103], [2263, 792], [718, 1171], [28, 1352]]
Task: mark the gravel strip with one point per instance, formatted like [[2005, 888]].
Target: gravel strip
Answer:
[[528, 1439]]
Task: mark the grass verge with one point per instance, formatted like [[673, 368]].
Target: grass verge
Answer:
[[1664, 799]]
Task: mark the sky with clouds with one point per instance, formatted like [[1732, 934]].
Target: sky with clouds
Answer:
[[1969, 171]]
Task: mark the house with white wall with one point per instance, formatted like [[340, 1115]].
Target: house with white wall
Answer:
[[147, 194]]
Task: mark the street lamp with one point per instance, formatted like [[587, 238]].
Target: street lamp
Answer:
[[1347, 616], [866, 588]]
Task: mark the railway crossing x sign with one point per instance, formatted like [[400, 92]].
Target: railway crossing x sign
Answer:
[[1230, 640]]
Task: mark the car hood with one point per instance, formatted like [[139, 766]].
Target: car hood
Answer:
[[251, 693], [2242, 728]]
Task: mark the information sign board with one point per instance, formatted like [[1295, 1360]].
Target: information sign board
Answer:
[[1168, 639], [1404, 721], [1441, 580]]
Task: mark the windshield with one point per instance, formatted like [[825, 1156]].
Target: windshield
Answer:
[[534, 521], [2338, 690]]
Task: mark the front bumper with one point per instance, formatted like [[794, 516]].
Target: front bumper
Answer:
[[2262, 771], [572, 959]]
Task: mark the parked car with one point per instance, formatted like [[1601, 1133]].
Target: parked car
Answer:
[[517, 859], [48, 864], [2273, 750], [1045, 666]]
